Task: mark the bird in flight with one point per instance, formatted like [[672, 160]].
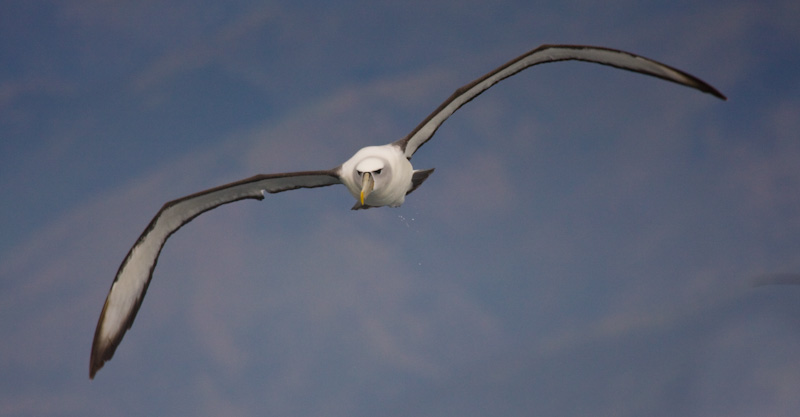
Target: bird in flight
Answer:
[[376, 176]]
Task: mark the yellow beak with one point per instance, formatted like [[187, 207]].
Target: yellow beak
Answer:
[[367, 183]]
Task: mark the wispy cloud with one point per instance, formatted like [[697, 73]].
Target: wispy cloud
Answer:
[[212, 48], [583, 244]]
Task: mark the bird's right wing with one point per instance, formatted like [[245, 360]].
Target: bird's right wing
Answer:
[[134, 275], [543, 54]]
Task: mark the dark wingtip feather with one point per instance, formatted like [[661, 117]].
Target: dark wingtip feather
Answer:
[[100, 352], [706, 87]]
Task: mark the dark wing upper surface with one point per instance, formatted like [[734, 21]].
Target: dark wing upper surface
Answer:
[[136, 271], [546, 53]]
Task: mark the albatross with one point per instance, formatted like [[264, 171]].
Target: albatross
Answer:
[[376, 176]]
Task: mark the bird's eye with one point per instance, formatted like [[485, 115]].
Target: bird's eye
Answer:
[[378, 171]]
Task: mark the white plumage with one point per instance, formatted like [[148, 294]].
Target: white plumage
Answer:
[[376, 176]]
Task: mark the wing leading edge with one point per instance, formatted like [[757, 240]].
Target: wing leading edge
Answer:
[[543, 54], [136, 271]]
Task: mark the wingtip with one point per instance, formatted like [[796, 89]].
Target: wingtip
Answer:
[[101, 353], [102, 349], [714, 92], [94, 366], [97, 360]]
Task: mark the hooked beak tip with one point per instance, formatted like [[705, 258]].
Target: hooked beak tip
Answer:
[[366, 186]]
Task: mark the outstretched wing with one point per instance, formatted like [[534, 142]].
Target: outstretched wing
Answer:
[[540, 55], [133, 276]]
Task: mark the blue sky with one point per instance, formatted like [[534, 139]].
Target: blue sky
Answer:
[[586, 245]]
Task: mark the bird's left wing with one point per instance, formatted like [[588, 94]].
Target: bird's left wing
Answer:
[[543, 54], [136, 271]]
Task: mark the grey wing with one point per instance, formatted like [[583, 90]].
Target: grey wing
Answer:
[[546, 53], [136, 271]]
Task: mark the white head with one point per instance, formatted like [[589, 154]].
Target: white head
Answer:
[[378, 176], [371, 172]]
